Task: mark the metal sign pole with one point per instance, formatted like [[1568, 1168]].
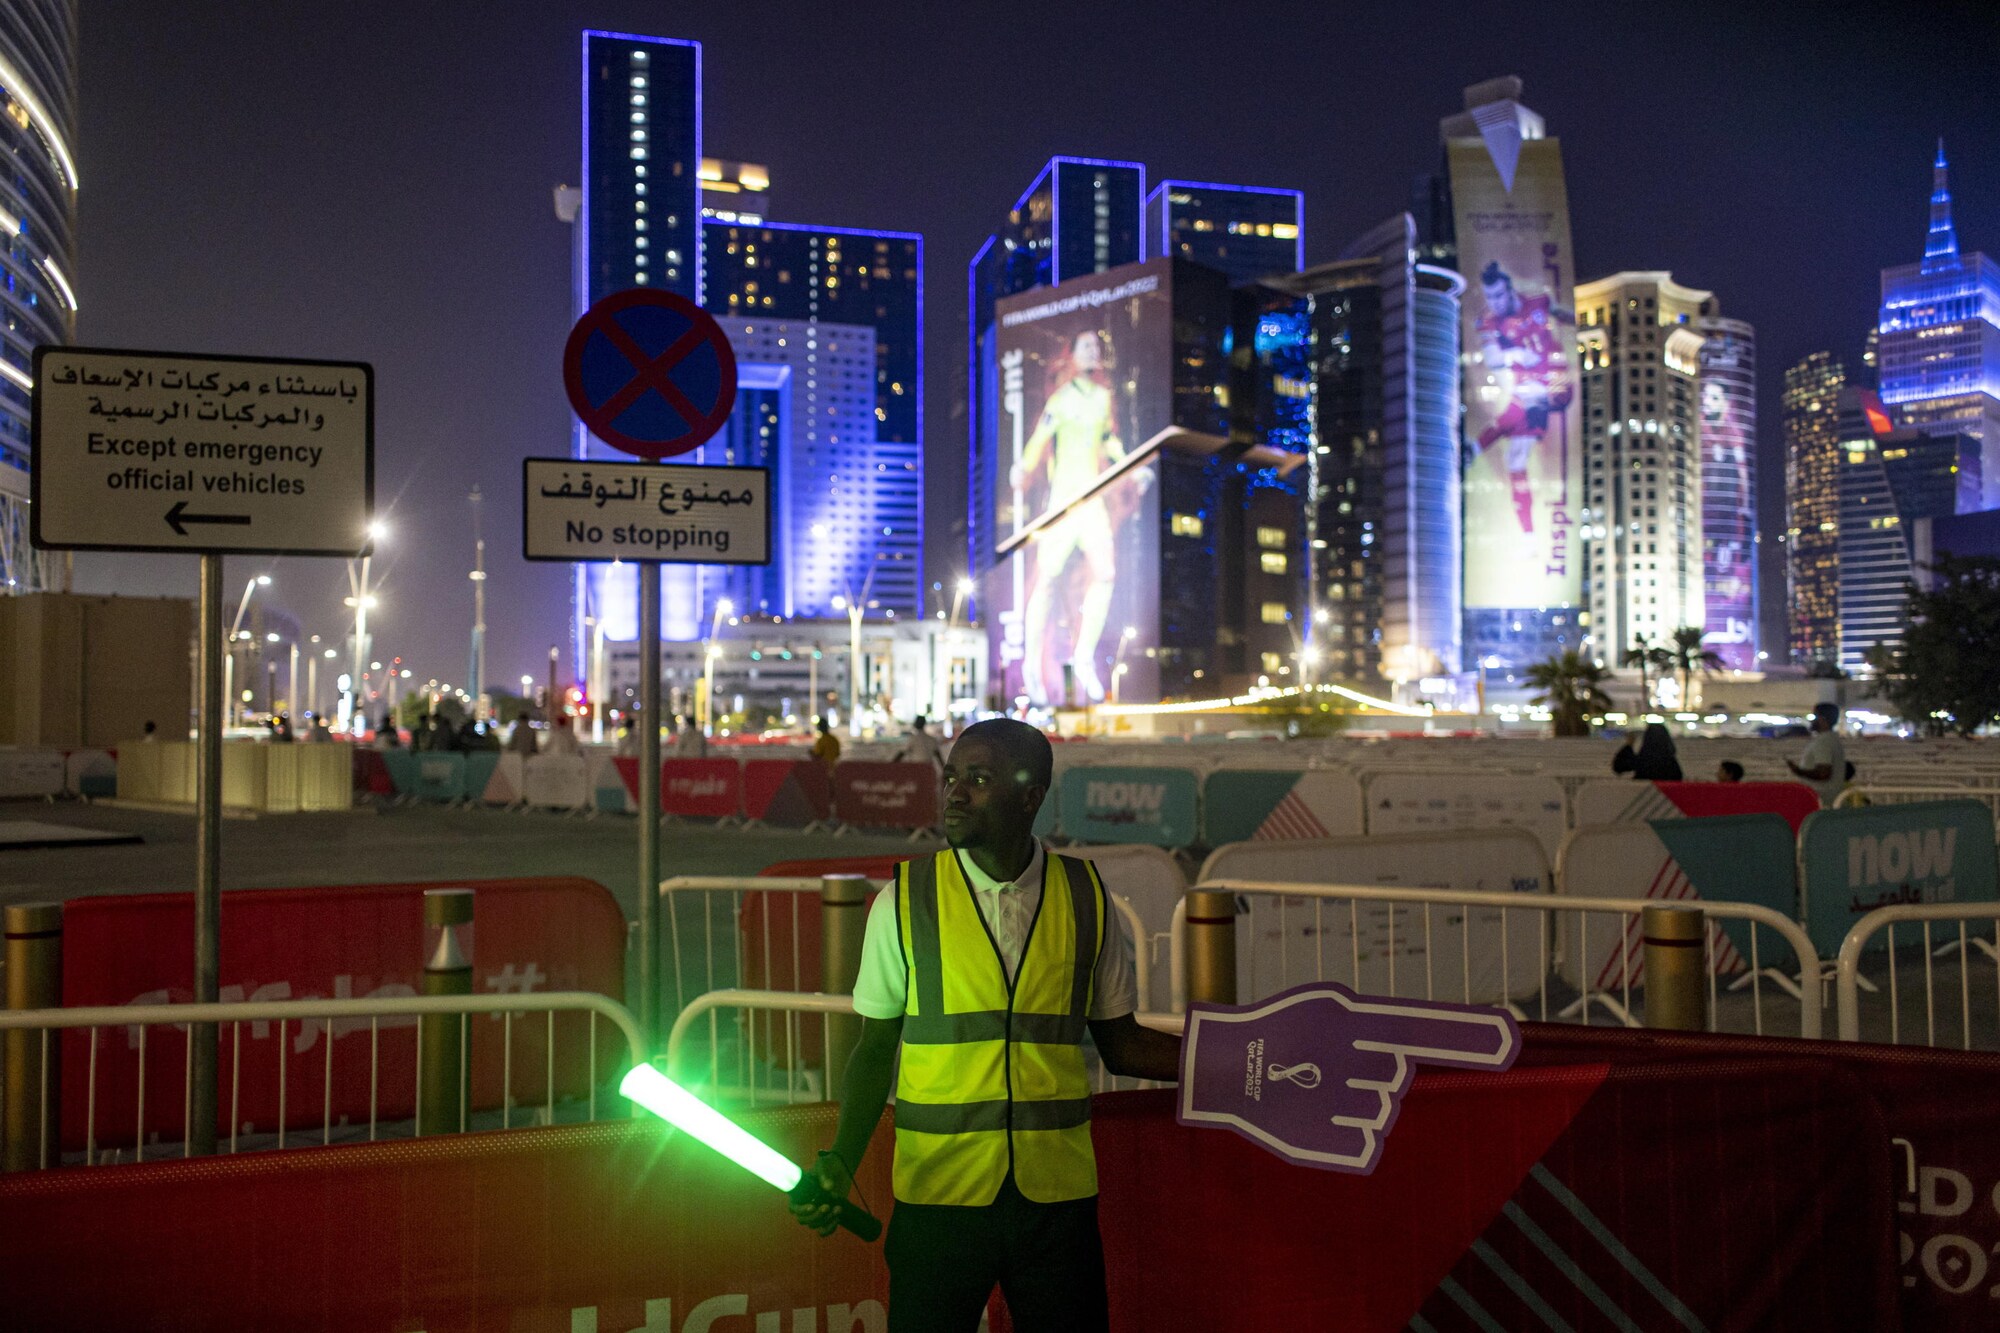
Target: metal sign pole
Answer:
[[647, 989], [208, 856]]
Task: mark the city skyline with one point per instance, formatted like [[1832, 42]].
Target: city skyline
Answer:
[[435, 257]]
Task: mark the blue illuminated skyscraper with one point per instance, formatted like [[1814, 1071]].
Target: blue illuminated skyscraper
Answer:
[[1079, 216], [1246, 231], [1938, 339]]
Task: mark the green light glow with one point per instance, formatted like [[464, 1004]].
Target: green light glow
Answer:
[[649, 1088]]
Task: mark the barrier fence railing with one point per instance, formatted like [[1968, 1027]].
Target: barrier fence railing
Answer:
[[1880, 793], [42, 1024], [1464, 945], [1941, 930], [772, 941]]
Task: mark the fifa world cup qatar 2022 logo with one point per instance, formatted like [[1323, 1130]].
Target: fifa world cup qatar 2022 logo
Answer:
[[1316, 1074]]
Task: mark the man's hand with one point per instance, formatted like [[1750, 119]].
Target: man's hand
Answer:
[[822, 1215]]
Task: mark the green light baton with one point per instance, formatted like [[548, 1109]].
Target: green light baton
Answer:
[[648, 1087]]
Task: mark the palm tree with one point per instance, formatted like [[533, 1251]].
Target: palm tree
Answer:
[[1643, 654], [1686, 657], [1573, 688]]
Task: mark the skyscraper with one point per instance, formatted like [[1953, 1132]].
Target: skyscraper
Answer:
[[1523, 470], [1890, 479], [1643, 548], [1078, 216], [1374, 384], [37, 244], [1939, 337], [1729, 490], [830, 321], [1812, 507], [1246, 231]]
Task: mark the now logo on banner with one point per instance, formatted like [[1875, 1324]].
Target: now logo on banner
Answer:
[[1134, 798], [1895, 857]]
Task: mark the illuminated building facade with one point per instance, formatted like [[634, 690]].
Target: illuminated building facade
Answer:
[[1359, 362], [1078, 216], [1811, 406], [827, 326], [37, 247], [1889, 479], [1244, 231], [1638, 338], [1728, 386], [1938, 337]]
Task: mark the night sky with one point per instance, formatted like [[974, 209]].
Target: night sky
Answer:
[[371, 181]]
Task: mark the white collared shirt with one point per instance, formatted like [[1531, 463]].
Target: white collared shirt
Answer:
[[882, 989]]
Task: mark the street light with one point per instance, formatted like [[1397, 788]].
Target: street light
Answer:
[[856, 607], [236, 632], [710, 653], [362, 600]]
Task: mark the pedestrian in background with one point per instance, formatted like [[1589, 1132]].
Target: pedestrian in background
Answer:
[[921, 747], [1823, 766], [1654, 761], [521, 740], [826, 749], [1729, 771], [689, 743], [562, 739]]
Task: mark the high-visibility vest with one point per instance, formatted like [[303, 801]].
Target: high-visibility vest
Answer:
[[992, 1075]]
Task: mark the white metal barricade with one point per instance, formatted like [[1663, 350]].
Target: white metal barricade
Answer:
[[373, 1010], [1375, 969], [1878, 793], [1942, 929]]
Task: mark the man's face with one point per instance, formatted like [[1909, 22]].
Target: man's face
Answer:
[[1500, 298], [988, 801]]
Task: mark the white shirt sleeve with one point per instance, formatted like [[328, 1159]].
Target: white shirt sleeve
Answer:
[[1114, 991], [882, 989]]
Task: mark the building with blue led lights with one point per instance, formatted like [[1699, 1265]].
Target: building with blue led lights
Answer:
[[1938, 338], [37, 247], [1245, 231], [827, 324]]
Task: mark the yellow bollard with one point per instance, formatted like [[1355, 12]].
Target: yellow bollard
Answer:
[[30, 1137], [443, 1083], [843, 924], [1211, 947], [1676, 967]]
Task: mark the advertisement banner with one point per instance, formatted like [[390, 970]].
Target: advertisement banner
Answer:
[[1729, 495], [1523, 482], [348, 942], [1854, 860], [1244, 805], [701, 788], [787, 793], [1412, 802], [886, 795], [1086, 377], [1148, 805], [1619, 800]]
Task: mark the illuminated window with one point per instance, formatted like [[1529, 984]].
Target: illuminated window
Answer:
[[1186, 525], [1272, 539], [1274, 613], [1272, 663], [1274, 562]]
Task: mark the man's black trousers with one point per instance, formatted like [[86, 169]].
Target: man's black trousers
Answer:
[[1046, 1257]]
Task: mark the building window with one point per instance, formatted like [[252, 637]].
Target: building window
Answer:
[[1185, 525], [1272, 663], [1274, 562], [1274, 613], [1271, 539]]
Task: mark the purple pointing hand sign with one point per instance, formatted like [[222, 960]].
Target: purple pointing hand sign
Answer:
[[1317, 1073]]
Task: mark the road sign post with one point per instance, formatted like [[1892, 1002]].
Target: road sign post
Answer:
[[162, 451], [649, 373]]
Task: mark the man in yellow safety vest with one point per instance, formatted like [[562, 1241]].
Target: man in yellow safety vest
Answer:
[[986, 964]]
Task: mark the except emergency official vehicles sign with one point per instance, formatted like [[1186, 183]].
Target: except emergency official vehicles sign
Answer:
[[160, 451], [674, 513]]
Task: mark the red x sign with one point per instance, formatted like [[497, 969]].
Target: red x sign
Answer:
[[650, 372]]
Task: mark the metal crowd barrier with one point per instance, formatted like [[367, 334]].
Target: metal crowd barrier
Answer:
[[283, 1013], [1425, 933], [1959, 937]]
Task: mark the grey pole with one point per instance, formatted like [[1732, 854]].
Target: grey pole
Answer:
[[208, 856], [646, 988]]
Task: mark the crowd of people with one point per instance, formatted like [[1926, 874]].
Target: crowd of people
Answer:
[[1650, 757]]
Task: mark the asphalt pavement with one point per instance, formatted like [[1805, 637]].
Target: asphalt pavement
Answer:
[[397, 844]]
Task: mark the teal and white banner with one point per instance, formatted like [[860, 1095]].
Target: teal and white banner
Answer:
[[1855, 860], [1159, 806]]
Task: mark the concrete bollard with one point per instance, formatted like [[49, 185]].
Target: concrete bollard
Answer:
[[843, 924], [1211, 947], [443, 1082], [30, 1136], [1675, 967]]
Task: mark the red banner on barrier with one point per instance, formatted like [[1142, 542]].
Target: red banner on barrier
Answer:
[[787, 793], [371, 773], [1793, 800], [700, 788], [898, 796], [1734, 1194], [339, 943]]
